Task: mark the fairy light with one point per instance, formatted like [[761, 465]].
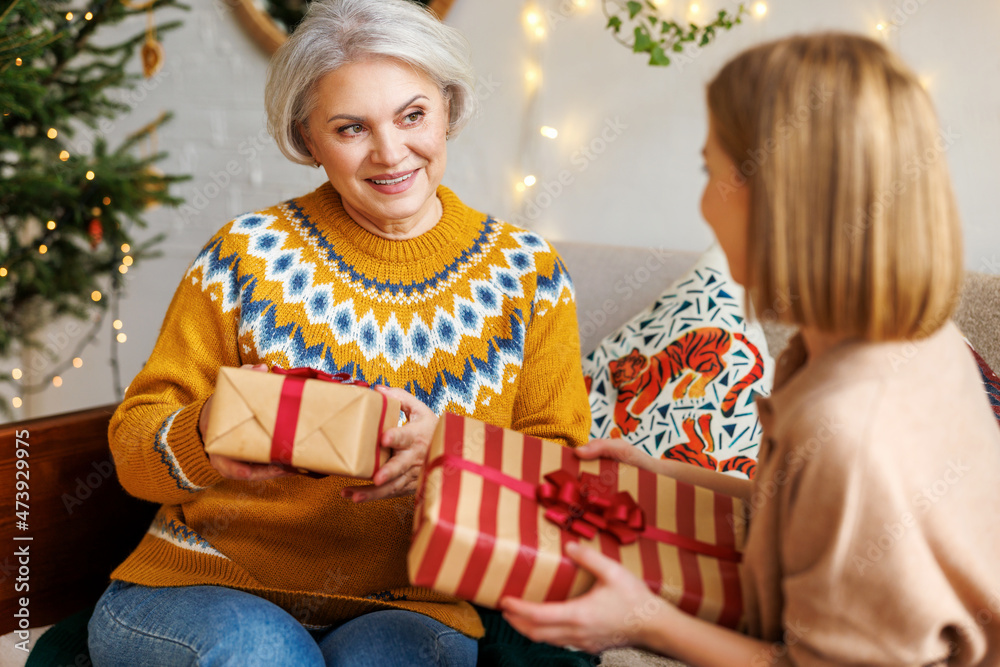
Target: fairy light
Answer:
[[16, 373], [117, 324], [3, 271], [77, 362], [63, 155], [96, 211], [760, 8], [880, 27], [107, 202], [549, 132], [69, 16], [16, 401], [95, 295], [532, 17], [18, 62], [127, 260], [121, 338], [123, 269], [530, 180], [51, 224], [125, 246], [520, 186], [42, 249], [88, 16], [90, 175], [52, 133], [582, 4], [56, 381], [694, 8]]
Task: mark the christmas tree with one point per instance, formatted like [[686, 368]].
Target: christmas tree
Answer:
[[68, 201]]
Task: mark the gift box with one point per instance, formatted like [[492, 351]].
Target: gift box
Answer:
[[304, 419], [495, 510]]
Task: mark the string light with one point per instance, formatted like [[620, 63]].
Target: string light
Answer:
[[107, 202], [121, 338], [16, 401], [520, 186], [16, 374], [42, 249], [123, 269], [96, 211], [532, 17], [760, 8], [52, 133], [77, 362], [549, 132], [18, 62], [127, 260], [69, 16], [117, 324], [530, 180], [695, 8], [88, 16], [63, 155], [57, 381], [90, 175], [51, 224], [880, 27], [95, 295], [3, 271], [125, 246]]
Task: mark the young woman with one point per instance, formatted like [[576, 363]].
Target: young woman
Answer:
[[874, 528]]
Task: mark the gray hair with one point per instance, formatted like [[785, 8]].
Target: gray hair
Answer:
[[338, 32]]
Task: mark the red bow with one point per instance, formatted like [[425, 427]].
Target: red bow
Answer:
[[586, 506], [313, 374]]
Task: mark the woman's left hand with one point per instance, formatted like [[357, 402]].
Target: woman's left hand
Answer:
[[409, 442], [616, 611]]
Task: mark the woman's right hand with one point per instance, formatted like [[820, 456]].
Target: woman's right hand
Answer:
[[231, 468]]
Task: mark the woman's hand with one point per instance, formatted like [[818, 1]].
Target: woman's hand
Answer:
[[409, 442], [231, 468], [622, 451], [616, 611]]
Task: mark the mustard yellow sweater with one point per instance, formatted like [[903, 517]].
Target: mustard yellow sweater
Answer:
[[474, 317]]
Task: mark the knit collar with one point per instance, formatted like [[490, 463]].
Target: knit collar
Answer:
[[457, 229]]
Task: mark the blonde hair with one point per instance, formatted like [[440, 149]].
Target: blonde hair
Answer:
[[337, 32], [853, 224]]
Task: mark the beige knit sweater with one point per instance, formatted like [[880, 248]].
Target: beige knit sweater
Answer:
[[875, 530]]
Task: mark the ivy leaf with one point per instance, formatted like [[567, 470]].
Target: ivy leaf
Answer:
[[642, 41], [614, 23], [633, 8], [657, 57]]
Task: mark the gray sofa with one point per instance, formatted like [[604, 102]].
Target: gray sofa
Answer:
[[613, 284]]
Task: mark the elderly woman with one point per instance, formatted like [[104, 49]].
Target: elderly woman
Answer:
[[382, 273]]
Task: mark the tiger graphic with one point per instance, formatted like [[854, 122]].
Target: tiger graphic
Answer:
[[696, 358], [697, 450]]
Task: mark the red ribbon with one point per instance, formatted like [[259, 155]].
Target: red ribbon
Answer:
[[283, 440], [585, 504]]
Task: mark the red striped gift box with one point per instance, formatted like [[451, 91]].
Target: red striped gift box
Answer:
[[495, 510]]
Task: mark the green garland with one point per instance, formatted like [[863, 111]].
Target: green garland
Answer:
[[659, 37]]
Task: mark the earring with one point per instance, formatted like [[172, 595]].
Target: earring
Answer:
[[317, 163]]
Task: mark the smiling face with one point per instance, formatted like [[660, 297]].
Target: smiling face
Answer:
[[379, 130], [725, 204]]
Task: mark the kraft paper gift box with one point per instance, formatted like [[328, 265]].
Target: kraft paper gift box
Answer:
[[495, 510], [303, 419]]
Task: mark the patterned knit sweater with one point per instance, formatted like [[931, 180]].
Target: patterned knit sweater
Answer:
[[474, 317]]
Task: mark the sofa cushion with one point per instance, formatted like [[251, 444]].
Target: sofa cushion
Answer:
[[679, 378]]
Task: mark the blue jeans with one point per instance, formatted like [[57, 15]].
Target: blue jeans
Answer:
[[136, 625]]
